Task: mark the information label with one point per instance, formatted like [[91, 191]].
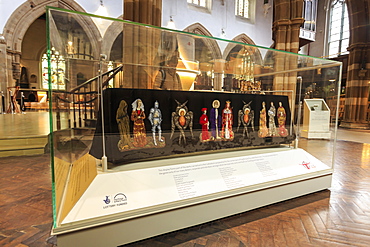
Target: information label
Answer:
[[128, 190]]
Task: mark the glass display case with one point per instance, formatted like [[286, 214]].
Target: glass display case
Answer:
[[157, 125]]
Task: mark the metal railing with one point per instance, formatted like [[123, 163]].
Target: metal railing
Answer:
[[82, 102]]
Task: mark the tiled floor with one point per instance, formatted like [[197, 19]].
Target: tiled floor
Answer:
[[25, 201]]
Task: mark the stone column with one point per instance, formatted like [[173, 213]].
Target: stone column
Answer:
[[140, 44], [287, 22], [3, 65], [358, 74], [357, 88]]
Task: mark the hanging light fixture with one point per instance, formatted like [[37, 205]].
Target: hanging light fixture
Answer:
[[102, 10], [171, 24], [223, 33]]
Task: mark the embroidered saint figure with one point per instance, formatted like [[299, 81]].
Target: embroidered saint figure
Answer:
[[263, 131], [155, 118], [272, 125], [138, 116], [122, 119], [215, 120], [281, 116], [227, 122], [203, 121]]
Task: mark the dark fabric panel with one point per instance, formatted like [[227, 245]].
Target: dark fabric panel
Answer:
[[167, 104]]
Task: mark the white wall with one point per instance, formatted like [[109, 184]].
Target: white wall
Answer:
[[7, 7], [221, 16], [114, 8]]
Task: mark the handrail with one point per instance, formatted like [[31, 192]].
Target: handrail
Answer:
[[114, 71], [80, 100]]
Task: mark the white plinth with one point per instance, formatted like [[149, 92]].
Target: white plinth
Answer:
[[316, 119], [316, 134], [126, 206]]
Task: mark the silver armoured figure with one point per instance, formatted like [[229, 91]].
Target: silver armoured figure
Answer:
[[155, 118]]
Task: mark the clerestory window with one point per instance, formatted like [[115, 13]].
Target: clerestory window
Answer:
[[242, 8], [200, 3]]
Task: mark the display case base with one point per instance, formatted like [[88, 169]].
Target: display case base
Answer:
[[132, 230], [141, 223]]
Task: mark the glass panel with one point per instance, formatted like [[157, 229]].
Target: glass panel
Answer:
[[336, 26], [333, 48], [334, 37], [177, 96], [346, 35], [345, 43], [337, 14]]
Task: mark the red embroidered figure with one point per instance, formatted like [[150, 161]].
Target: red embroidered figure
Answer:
[[203, 120], [138, 116]]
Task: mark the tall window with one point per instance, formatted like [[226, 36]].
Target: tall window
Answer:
[[201, 3], [242, 8], [338, 29]]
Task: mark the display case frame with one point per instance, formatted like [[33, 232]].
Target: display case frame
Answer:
[[180, 174]]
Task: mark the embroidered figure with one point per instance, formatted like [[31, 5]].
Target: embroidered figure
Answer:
[[215, 120], [182, 118], [263, 131], [281, 116], [138, 116], [227, 122], [203, 121], [155, 118], [272, 126], [246, 117], [123, 126]]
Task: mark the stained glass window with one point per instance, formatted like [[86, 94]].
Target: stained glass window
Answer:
[[58, 67]]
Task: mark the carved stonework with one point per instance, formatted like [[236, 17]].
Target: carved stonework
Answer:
[[2, 40]]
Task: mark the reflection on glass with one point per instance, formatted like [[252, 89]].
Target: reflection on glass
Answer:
[[365, 156]]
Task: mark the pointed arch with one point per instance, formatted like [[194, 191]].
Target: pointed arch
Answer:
[[110, 36], [198, 29], [211, 44], [243, 38], [207, 53], [21, 19]]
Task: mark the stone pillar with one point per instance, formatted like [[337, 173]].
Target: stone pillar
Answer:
[[357, 88], [3, 65], [358, 74], [16, 65], [140, 44], [287, 22]]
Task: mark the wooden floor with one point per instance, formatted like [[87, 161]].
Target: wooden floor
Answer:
[[336, 217]]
